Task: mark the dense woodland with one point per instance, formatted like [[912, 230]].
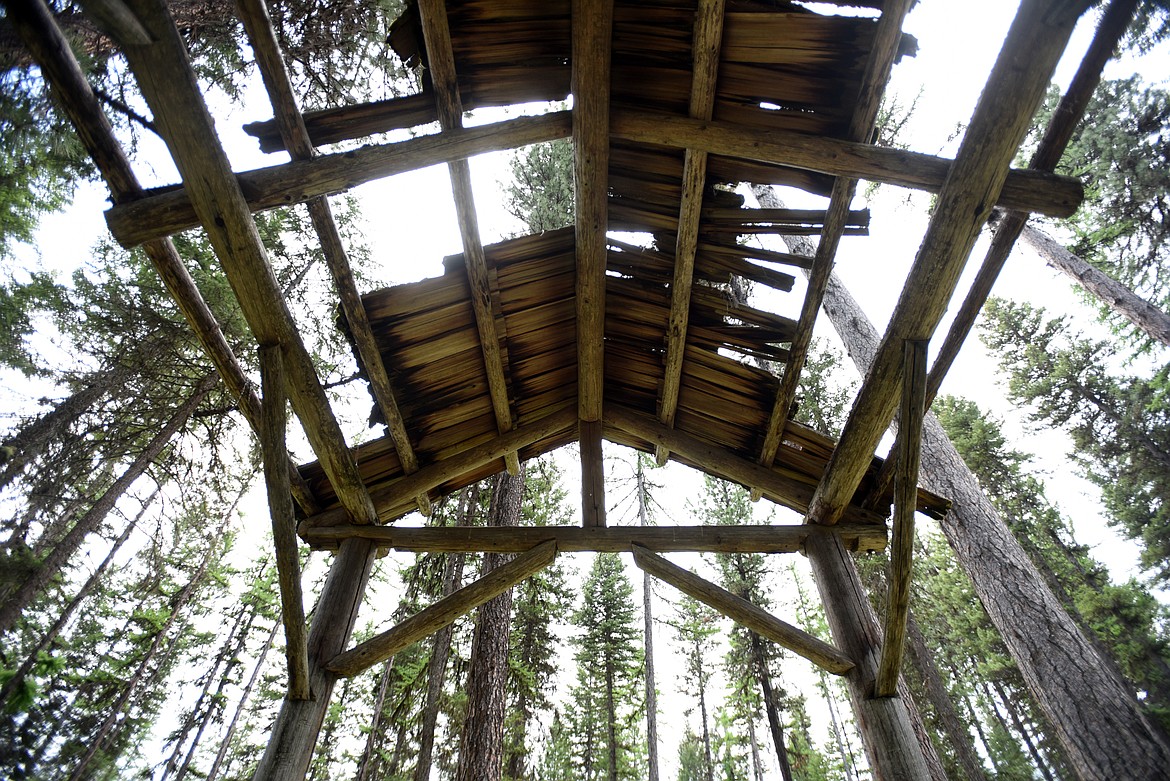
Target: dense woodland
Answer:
[[139, 620]]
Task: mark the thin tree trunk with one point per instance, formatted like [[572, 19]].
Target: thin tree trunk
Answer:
[[364, 766], [708, 763], [948, 717], [178, 604], [771, 707], [436, 670], [55, 561], [481, 753], [245, 695], [1096, 721], [754, 743], [1117, 297], [32, 439], [648, 641], [53, 631], [1010, 705], [611, 722]]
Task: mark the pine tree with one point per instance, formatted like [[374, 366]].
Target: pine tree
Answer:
[[695, 625], [606, 701]]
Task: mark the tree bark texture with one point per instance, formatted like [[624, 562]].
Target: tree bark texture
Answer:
[[1097, 722], [481, 754], [1150, 319], [771, 706]]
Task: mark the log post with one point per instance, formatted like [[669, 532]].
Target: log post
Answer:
[[902, 539], [294, 735], [894, 751], [284, 530]]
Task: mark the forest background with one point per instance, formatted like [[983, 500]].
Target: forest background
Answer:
[[146, 644]]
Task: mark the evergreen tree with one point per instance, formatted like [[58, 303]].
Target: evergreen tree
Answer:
[[1120, 426], [695, 625], [606, 702]]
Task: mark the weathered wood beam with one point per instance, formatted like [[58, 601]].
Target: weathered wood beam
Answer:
[[886, 728], [170, 89], [400, 493], [1014, 90], [609, 539], [900, 571], [484, 301], [444, 612], [284, 527], [707, 248], [1034, 191], [705, 46], [283, 185], [1114, 22], [119, 21], [592, 33], [744, 612], [294, 734], [342, 123], [731, 217], [44, 40], [258, 26], [781, 486], [592, 474]]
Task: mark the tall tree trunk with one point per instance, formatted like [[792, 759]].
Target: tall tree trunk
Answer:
[[62, 619], [245, 695], [771, 706], [368, 763], [481, 753], [1098, 724], [436, 669], [648, 641], [31, 440], [944, 710], [1117, 297], [754, 744], [178, 604], [57, 558], [708, 762], [610, 723]]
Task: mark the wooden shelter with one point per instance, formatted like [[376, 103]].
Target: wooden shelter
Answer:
[[576, 335]]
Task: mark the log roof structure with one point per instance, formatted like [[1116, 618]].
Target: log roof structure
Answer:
[[582, 334]]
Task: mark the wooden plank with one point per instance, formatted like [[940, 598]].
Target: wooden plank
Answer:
[[170, 89], [744, 613], [443, 613], [1045, 193], [607, 539], [342, 123], [296, 182], [592, 475], [1014, 90], [284, 535], [705, 69], [900, 570], [429, 477], [36, 26], [858, 218], [592, 22], [258, 26], [1114, 22], [484, 301]]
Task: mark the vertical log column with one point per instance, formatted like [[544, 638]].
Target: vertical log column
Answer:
[[891, 744], [592, 34], [294, 735]]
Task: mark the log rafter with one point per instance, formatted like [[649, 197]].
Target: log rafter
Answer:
[[1065, 119], [877, 72], [708, 35], [1033, 46], [258, 26], [441, 60], [74, 94], [169, 86]]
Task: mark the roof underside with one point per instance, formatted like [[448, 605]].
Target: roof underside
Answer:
[[780, 67]]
